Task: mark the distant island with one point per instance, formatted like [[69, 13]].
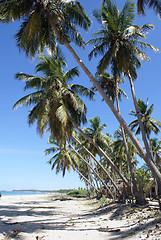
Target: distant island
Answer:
[[43, 191]]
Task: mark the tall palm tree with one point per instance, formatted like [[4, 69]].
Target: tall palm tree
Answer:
[[155, 4], [118, 42], [150, 124], [54, 99], [46, 21]]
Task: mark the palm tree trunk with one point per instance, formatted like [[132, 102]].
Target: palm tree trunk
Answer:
[[102, 153], [134, 189], [148, 137], [86, 180], [141, 151], [138, 116], [104, 170], [92, 170]]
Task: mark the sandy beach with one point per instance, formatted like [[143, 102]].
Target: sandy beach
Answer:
[[43, 217]]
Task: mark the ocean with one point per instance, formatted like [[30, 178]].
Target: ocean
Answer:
[[10, 193]]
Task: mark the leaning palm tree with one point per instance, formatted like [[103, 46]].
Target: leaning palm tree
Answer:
[[63, 159], [43, 23], [95, 133], [119, 150], [54, 99], [150, 124], [118, 42]]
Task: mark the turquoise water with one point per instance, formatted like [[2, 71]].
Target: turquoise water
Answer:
[[11, 193]]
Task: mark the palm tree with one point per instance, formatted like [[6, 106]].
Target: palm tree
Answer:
[[150, 124], [60, 160], [108, 84], [95, 133], [63, 159], [45, 22], [54, 99], [155, 4], [119, 150], [117, 41]]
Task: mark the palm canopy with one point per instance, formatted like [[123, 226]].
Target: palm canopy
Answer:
[[62, 158], [95, 133], [108, 84], [150, 124], [119, 151], [54, 99], [44, 22], [118, 40], [155, 4]]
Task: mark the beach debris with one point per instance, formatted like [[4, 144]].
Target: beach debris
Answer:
[[101, 229], [10, 223], [13, 234], [69, 224], [39, 238]]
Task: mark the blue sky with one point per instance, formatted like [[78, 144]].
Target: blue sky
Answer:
[[22, 161]]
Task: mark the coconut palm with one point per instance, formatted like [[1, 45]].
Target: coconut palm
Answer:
[[150, 124], [45, 22], [119, 149], [63, 159], [118, 42], [155, 4], [108, 84], [54, 99], [95, 133]]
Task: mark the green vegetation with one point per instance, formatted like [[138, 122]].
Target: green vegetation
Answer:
[[78, 193]]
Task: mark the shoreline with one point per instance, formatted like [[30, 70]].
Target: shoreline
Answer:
[[48, 217]]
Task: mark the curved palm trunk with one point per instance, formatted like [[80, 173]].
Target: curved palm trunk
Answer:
[[141, 151], [104, 170], [86, 179], [138, 116], [92, 170], [102, 153], [134, 189], [93, 164]]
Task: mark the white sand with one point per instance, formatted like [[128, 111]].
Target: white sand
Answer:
[[44, 218]]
